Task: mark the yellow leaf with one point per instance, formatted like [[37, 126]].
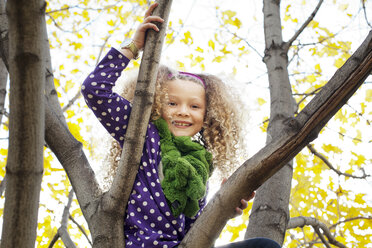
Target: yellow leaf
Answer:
[[357, 138], [188, 39], [311, 78], [199, 59], [70, 113], [331, 148], [229, 13], [339, 62], [169, 38], [56, 82], [369, 95], [341, 116], [111, 23], [180, 65], [343, 7], [211, 44], [342, 133], [261, 101], [69, 85], [75, 131], [218, 59], [317, 68], [74, 71], [198, 49], [359, 199]]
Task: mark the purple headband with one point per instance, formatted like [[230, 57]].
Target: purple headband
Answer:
[[170, 75]]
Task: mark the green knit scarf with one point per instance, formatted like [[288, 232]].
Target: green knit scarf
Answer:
[[187, 166]]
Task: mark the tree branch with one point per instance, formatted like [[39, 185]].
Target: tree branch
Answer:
[[71, 155], [316, 224], [71, 102], [54, 240], [300, 131], [365, 13], [304, 25], [321, 236], [81, 229], [351, 219], [325, 160], [121, 188], [62, 230]]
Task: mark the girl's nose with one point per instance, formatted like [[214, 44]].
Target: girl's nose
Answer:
[[183, 110]]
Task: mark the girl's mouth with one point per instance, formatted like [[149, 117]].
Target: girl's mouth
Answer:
[[181, 124]]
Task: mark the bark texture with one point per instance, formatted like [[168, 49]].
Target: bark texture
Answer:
[[298, 132], [270, 212], [104, 212], [25, 160]]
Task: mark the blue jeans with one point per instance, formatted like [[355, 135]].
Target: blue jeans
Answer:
[[253, 243]]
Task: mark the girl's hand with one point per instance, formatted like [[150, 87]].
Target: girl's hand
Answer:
[[139, 36], [244, 202]]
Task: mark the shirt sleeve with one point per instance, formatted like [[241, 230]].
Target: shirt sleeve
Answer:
[[111, 109]]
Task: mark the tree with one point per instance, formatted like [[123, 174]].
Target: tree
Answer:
[[25, 166], [58, 18]]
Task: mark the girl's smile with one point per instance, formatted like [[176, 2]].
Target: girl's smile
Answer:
[[184, 108]]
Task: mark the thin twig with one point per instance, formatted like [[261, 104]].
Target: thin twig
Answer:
[[301, 221], [321, 236], [71, 102], [54, 240], [351, 219], [365, 13], [304, 25], [325, 160], [81, 229]]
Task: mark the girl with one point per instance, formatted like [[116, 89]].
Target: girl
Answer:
[[170, 187]]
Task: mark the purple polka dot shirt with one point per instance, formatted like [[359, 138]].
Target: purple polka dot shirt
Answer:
[[148, 219]]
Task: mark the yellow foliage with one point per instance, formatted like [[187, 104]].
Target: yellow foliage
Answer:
[[343, 7], [198, 49], [357, 139], [229, 13], [331, 148], [69, 85], [369, 95], [261, 101], [211, 44], [218, 59], [75, 131], [265, 124], [311, 78], [3, 159], [341, 116], [188, 39], [169, 38]]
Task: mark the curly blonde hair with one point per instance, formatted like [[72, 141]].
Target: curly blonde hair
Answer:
[[222, 133]]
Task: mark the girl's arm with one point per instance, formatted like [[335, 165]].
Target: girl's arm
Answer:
[[111, 109]]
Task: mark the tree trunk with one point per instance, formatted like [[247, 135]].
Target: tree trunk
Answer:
[[270, 212], [25, 160], [3, 50], [3, 81]]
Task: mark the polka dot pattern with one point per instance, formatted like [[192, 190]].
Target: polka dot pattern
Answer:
[[148, 220]]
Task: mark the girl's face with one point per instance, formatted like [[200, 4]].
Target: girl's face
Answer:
[[184, 107]]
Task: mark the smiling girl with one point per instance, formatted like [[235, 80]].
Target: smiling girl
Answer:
[[170, 187]]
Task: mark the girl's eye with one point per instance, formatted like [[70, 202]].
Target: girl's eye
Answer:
[[171, 103], [194, 106]]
